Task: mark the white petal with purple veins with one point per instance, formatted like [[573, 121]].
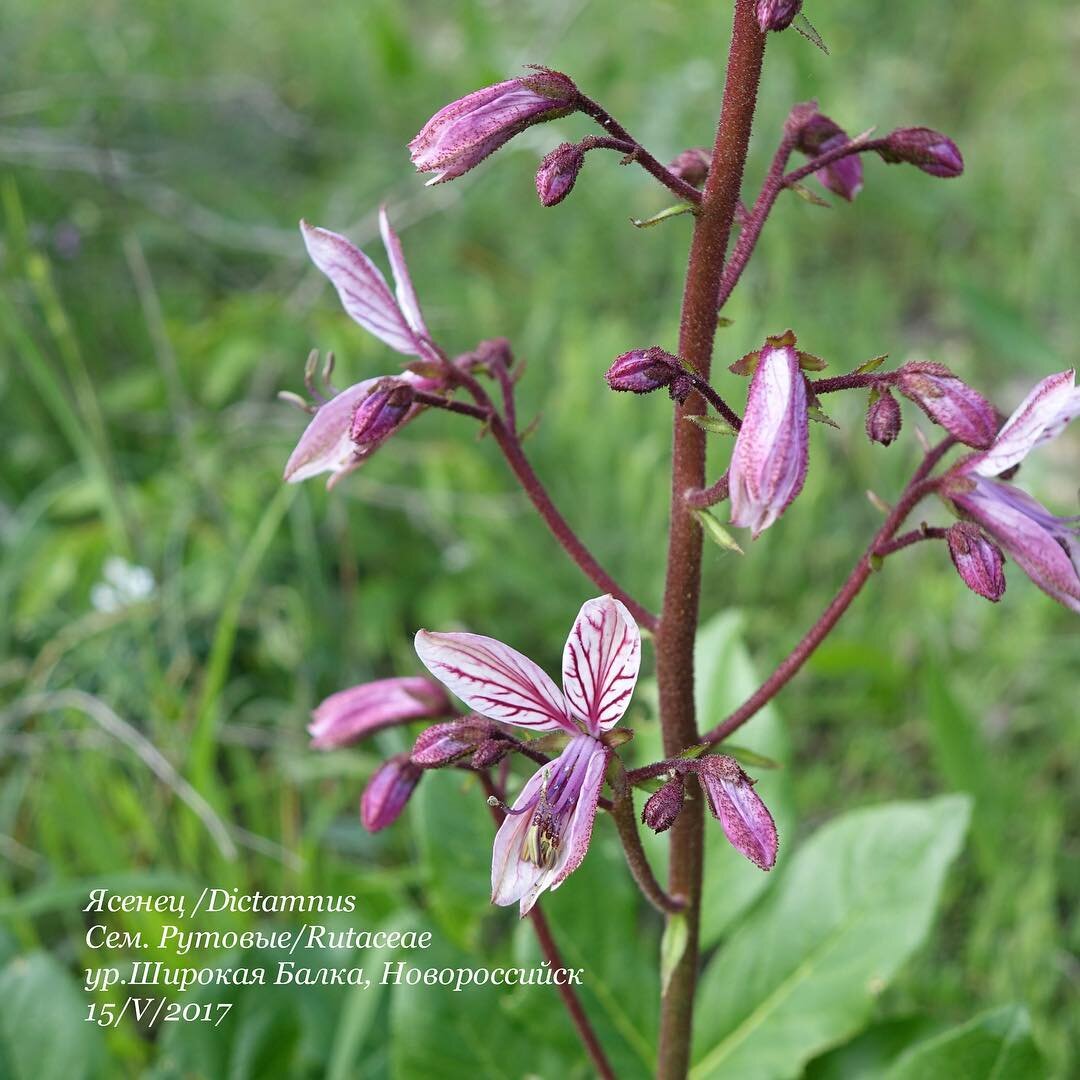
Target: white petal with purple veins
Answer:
[[600, 662]]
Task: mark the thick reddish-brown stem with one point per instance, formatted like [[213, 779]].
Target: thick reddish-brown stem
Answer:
[[679, 616]]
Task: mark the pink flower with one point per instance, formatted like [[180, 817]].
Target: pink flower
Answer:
[[978, 561], [463, 133], [746, 821], [1046, 547], [387, 792], [963, 412], [545, 834], [818, 135], [768, 464], [329, 443], [353, 714]]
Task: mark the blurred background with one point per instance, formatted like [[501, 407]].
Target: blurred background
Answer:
[[170, 612]]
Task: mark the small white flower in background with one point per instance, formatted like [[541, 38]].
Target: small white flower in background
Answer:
[[124, 584]]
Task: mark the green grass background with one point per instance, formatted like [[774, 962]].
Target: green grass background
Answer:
[[154, 296]]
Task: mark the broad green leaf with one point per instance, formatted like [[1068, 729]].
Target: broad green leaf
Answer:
[[996, 1045], [803, 970], [43, 1027]]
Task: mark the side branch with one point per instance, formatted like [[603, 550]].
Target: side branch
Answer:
[[918, 489]]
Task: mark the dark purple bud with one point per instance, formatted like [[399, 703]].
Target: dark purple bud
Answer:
[[558, 172], [443, 744], [747, 823], [490, 752], [883, 418], [963, 412], [931, 151], [692, 166], [644, 370], [978, 560], [381, 412], [664, 805], [387, 792], [819, 135], [777, 14]]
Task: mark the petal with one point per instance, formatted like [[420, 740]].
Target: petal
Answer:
[[1049, 555], [511, 874], [355, 713], [325, 445], [363, 290], [1042, 415], [406, 294], [746, 821], [575, 840], [600, 662], [495, 680]]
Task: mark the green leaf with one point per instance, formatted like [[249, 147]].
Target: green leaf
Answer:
[[716, 532], [803, 971], [871, 365], [715, 425], [43, 1028], [672, 947], [995, 1045], [806, 28], [748, 756], [664, 215], [810, 196]]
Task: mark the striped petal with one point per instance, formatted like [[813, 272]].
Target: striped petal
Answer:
[[363, 290], [600, 663], [403, 286], [495, 680]]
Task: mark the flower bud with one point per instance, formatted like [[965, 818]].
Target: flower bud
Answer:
[[746, 821], [443, 744], [387, 792], [463, 133], [931, 151], [963, 412], [489, 752], [664, 805], [353, 714], [883, 418], [381, 413], [558, 172], [644, 370], [978, 560], [692, 166], [777, 14], [768, 464], [819, 135]]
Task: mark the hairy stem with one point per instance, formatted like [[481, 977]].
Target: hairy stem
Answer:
[[679, 616]]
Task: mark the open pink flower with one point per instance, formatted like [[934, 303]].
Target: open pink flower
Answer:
[[546, 832], [1046, 547], [328, 444]]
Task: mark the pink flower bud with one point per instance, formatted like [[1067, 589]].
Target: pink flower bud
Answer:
[[819, 135], [777, 14], [644, 370], [664, 805], [692, 166], [387, 792], [463, 133], [963, 412], [353, 714], [931, 151], [978, 560], [768, 464], [746, 821], [883, 418], [381, 413], [446, 743], [558, 172]]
